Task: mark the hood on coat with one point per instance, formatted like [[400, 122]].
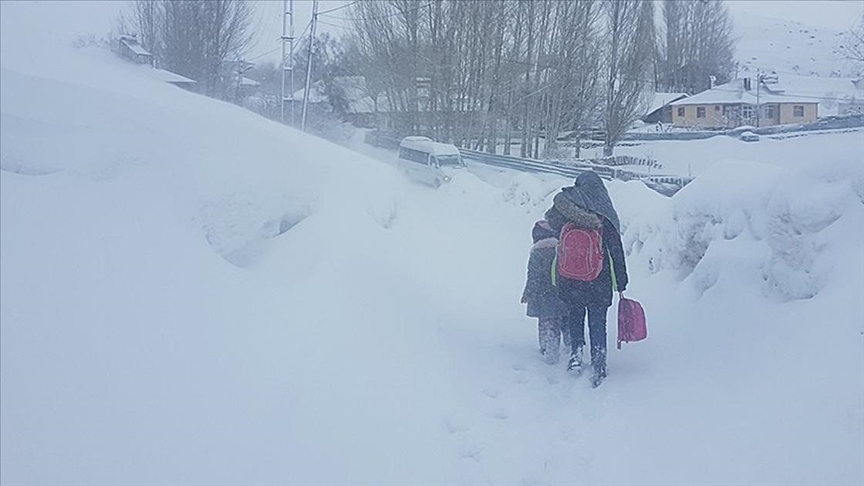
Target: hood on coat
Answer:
[[589, 192], [550, 242], [542, 230], [580, 217]]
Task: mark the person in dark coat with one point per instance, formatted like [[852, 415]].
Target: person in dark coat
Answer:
[[541, 297], [587, 205]]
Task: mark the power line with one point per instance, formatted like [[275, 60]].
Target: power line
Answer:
[[353, 19], [276, 49], [332, 25], [338, 8]]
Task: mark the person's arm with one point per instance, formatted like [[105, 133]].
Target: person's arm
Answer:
[[533, 277], [616, 251]]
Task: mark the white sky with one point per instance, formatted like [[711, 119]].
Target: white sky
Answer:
[[834, 14], [52, 20]]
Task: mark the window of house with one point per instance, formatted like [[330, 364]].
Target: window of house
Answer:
[[769, 111], [680, 111], [746, 112], [700, 112], [716, 107], [798, 111]]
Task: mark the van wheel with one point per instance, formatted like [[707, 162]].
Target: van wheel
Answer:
[[437, 183]]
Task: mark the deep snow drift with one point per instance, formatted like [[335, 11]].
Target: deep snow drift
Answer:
[[193, 294]]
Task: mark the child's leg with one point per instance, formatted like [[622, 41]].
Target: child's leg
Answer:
[[549, 338], [576, 323], [540, 335], [562, 328]]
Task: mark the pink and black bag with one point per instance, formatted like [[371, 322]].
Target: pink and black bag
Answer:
[[631, 321], [580, 253]]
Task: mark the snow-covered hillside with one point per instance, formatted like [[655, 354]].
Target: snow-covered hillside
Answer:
[[789, 47], [190, 293]]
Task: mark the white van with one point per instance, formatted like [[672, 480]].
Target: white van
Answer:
[[429, 162]]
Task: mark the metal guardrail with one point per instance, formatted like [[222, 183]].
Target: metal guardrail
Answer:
[[664, 184]]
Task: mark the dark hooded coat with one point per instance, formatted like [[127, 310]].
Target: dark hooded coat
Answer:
[[587, 205], [543, 300]]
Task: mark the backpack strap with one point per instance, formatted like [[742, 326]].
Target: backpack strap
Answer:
[[554, 268], [612, 271]]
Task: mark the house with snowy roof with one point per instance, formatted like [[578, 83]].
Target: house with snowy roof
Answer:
[[660, 110], [744, 102], [129, 47]]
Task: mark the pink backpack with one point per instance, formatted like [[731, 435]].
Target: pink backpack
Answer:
[[580, 253], [631, 322]]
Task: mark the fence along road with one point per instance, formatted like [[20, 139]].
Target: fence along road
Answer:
[[664, 184]]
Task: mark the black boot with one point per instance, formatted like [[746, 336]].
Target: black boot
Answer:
[[598, 363]]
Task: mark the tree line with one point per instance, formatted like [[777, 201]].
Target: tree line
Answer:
[[192, 38], [518, 71]]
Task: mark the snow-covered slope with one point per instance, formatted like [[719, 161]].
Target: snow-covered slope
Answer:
[[788, 47], [192, 294]]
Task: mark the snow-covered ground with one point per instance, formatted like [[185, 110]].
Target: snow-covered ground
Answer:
[[190, 293], [770, 42]]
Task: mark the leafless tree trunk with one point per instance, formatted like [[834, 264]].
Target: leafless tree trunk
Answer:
[[854, 42], [630, 31], [193, 37], [698, 43]]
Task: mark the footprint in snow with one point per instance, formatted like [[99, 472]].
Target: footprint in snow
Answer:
[[452, 426], [498, 414], [470, 451]]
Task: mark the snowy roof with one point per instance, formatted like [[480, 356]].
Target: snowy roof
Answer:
[[663, 99], [734, 93], [134, 46], [367, 105], [168, 76], [249, 82], [315, 94]]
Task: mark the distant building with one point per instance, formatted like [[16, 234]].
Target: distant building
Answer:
[[173, 78], [659, 111], [743, 102], [835, 95], [350, 96], [129, 47]]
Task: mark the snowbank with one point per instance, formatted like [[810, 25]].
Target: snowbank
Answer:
[[780, 215]]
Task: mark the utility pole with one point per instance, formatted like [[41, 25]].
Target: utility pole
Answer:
[[309, 64], [758, 106], [287, 58], [242, 68]]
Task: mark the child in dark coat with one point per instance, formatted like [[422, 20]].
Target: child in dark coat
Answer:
[[542, 297], [588, 206]]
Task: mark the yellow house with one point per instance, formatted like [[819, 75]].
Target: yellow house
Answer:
[[740, 103]]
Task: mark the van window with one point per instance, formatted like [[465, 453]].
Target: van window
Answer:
[[413, 155], [449, 160]]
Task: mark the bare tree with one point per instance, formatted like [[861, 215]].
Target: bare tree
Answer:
[[698, 43], [145, 19], [631, 38], [854, 42], [193, 37], [491, 70], [572, 93]]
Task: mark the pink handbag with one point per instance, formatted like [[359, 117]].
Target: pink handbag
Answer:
[[631, 321]]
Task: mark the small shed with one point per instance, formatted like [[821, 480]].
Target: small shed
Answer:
[[129, 47]]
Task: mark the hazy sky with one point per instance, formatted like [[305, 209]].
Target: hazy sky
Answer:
[[836, 15], [53, 21]]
